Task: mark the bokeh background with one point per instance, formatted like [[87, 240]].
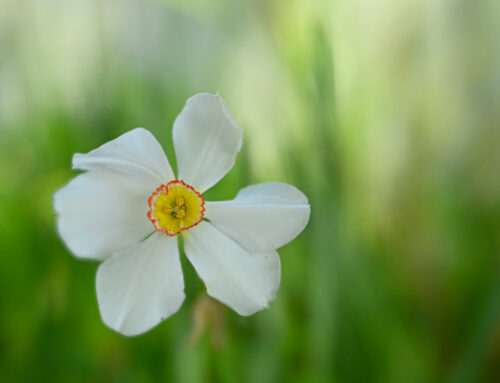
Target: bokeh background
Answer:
[[385, 113]]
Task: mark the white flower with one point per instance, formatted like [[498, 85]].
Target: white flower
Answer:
[[111, 211]]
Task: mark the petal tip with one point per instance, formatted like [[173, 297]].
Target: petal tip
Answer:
[[75, 161]]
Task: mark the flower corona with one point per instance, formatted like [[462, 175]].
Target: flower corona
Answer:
[[175, 207]]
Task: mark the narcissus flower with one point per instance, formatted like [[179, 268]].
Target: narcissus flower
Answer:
[[128, 208]]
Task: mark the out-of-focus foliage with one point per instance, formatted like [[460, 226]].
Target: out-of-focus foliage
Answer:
[[385, 113]]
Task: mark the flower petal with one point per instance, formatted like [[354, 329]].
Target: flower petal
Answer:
[[245, 282], [135, 153], [206, 139], [262, 217], [102, 211], [140, 286]]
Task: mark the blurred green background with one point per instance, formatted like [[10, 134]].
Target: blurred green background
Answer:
[[385, 113]]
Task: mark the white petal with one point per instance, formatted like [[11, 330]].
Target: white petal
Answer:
[[140, 286], [262, 217], [206, 139], [101, 212], [245, 282], [135, 153]]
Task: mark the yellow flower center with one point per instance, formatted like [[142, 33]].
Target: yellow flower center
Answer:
[[175, 207]]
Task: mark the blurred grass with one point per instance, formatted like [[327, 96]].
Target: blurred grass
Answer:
[[384, 113]]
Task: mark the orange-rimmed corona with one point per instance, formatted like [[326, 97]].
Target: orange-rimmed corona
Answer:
[[175, 207]]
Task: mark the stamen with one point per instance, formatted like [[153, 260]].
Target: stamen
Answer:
[[179, 212]]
